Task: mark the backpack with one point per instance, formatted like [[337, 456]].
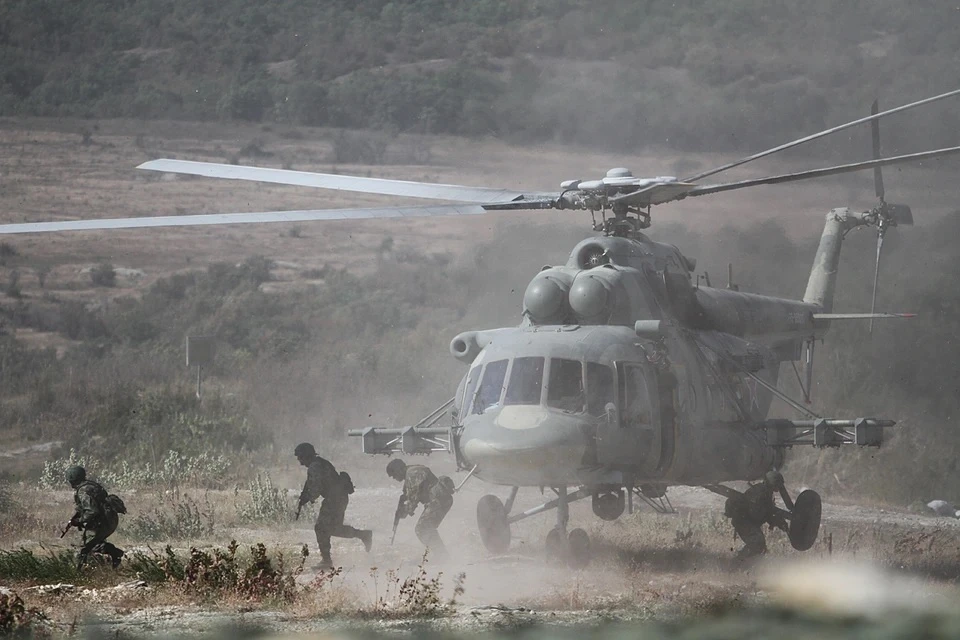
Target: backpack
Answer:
[[114, 503], [347, 482]]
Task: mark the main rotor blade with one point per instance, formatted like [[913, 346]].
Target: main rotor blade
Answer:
[[379, 186], [821, 134], [243, 218], [820, 173], [875, 134]]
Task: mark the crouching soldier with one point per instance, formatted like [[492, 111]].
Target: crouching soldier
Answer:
[[96, 515], [750, 510], [335, 489], [420, 486]]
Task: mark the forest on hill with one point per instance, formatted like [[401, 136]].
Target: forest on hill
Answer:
[[618, 73]]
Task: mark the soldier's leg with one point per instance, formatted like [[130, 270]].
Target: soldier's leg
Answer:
[[340, 530], [326, 517], [433, 514], [99, 542], [754, 543]]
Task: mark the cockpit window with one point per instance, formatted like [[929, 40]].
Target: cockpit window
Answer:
[[565, 389], [488, 396], [471, 388], [526, 380], [600, 389]]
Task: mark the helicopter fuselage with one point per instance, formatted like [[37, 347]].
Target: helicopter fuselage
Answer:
[[586, 391]]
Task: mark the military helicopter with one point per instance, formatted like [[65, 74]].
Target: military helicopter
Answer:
[[624, 376]]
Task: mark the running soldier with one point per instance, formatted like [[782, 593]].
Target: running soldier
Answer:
[[420, 486], [96, 515], [335, 489], [752, 509]]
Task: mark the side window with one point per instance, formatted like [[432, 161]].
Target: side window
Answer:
[[599, 388], [526, 380], [565, 388], [488, 396], [635, 412], [471, 389]]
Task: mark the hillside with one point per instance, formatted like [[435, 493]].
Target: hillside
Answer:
[[612, 73]]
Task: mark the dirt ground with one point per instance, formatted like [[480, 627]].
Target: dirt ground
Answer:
[[646, 566]]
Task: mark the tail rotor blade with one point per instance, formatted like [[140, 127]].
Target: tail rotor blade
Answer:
[[876, 278], [875, 130]]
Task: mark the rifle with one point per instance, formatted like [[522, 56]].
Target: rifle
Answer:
[[72, 523], [297, 514], [398, 515]]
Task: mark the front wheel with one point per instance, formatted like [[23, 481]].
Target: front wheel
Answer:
[[493, 524], [805, 520]]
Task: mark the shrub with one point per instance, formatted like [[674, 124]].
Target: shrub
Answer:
[[24, 565], [17, 620], [416, 596], [103, 275], [12, 288], [266, 504], [178, 517], [218, 573]]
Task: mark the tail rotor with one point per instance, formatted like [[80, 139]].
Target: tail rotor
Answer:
[[885, 215]]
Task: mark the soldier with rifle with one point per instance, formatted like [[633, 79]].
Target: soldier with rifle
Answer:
[[421, 486], [335, 489], [97, 516], [749, 511]]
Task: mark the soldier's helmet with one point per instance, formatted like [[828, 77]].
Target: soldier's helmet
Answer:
[[305, 450], [774, 479], [76, 475], [396, 468]]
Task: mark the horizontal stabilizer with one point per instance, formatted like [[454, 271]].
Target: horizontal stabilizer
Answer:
[[861, 316]]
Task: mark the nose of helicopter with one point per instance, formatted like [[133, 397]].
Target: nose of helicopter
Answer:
[[525, 445]]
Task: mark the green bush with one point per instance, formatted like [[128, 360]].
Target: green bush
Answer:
[[104, 275], [23, 565], [266, 503], [178, 517], [19, 621], [217, 573]]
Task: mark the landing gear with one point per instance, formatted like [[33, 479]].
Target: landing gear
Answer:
[[805, 520], [494, 522], [750, 510]]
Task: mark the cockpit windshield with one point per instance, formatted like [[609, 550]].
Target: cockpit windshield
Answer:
[[526, 380], [491, 386], [565, 387]]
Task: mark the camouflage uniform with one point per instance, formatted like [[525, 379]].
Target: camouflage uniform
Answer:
[[420, 486], [324, 481], [98, 521], [748, 513]]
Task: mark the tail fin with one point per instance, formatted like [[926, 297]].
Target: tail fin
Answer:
[[823, 275]]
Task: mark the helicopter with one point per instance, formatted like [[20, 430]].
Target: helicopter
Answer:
[[625, 376]]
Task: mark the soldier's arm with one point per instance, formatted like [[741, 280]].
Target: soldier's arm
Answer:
[[411, 492], [313, 485], [88, 511]]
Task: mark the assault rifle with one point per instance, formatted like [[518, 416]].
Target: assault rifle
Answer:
[[398, 515]]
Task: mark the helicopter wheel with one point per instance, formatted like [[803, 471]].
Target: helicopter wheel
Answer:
[[805, 520], [578, 549], [555, 545], [493, 524]]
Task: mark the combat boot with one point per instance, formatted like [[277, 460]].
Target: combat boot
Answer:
[[117, 558], [366, 537]]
